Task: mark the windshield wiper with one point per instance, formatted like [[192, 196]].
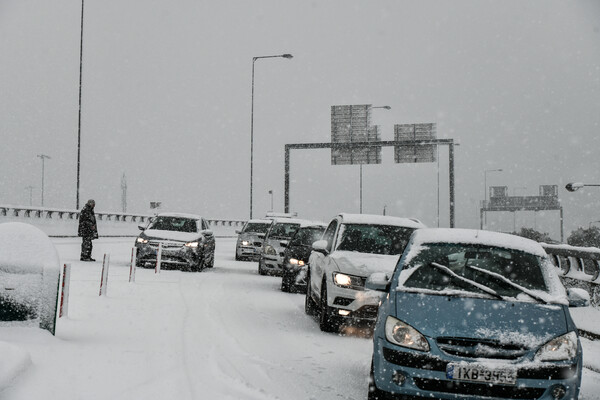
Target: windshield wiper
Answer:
[[476, 285], [510, 283]]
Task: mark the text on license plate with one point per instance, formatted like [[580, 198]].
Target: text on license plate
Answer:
[[480, 373]]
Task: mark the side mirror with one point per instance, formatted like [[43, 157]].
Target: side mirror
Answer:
[[378, 281], [578, 297], [142, 227], [320, 246], [284, 243], [237, 231]]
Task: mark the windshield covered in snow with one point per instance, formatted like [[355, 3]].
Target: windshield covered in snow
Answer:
[[507, 272], [374, 239], [256, 227], [176, 224]]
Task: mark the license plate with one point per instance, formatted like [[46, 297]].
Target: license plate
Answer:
[[480, 373]]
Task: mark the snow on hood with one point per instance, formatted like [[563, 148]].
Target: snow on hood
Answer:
[[171, 235], [364, 264], [26, 249], [523, 323], [14, 362]]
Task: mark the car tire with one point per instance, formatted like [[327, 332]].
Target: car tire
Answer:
[[373, 392], [211, 263], [327, 322], [237, 257], [261, 268], [285, 284], [310, 307]]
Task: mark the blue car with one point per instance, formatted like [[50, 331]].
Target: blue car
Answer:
[[473, 314]]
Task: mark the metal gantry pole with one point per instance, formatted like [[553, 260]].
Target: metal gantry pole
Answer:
[[43, 157]]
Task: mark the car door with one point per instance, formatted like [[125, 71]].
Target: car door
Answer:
[[319, 260]]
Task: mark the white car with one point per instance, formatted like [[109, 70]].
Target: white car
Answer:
[[352, 248]]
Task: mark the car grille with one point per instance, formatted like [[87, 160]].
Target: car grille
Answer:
[[166, 245], [480, 348], [479, 389]]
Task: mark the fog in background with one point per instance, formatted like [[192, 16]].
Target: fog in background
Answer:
[[167, 96]]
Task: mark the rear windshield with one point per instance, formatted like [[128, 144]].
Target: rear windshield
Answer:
[[307, 236], [283, 230], [481, 264], [256, 227], [174, 224], [374, 239]]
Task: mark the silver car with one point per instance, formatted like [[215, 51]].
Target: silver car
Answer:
[[271, 256], [185, 240], [250, 239]]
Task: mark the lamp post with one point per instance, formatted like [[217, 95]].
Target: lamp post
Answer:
[[574, 186], [288, 56], [271, 193], [43, 157], [485, 189], [361, 166], [79, 118]]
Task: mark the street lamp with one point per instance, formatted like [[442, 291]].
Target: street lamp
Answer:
[[361, 166], [79, 119], [43, 157], [485, 188], [288, 56], [574, 186]]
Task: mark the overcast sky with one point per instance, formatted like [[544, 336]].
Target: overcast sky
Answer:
[[167, 95]]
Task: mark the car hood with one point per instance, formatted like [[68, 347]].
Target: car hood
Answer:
[[157, 234], [364, 264], [515, 322]]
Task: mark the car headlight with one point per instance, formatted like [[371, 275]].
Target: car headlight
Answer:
[[192, 244], [402, 334], [245, 243], [348, 281], [558, 349], [141, 240], [295, 261], [270, 250]]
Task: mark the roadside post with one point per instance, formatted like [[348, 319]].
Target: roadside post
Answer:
[[64, 295], [158, 259], [104, 277], [132, 266]]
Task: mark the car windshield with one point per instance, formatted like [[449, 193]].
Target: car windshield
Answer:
[[374, 239], [283, 230], [256, 227], [452, 266], [177, 224], [307, 236]]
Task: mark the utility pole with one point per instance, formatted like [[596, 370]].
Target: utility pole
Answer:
[[43, 157], [124, 193]]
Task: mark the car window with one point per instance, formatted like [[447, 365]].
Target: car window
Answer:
[[475, 262], [329, 233], [283, 230], [374, 239], [307, 236], [174, 224], [256, 227]]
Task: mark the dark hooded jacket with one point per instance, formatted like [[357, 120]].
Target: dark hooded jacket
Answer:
[[87, 223]]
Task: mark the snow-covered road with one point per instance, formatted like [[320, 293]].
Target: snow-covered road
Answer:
[[225, 333]]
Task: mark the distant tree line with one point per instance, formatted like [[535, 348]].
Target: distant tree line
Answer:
[[581, 237]]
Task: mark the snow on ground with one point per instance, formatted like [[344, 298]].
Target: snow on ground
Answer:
[[224, 333]]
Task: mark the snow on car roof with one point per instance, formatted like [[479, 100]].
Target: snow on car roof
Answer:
[[473, 236], [179, 215], [25, 248], [307, 224], [368, 219], [259, 221], [288, 221]]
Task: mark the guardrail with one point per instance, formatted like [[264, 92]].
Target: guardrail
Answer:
[[53, 220], [578, 267]]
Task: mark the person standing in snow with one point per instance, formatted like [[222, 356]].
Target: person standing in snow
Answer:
[[87, 230]]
